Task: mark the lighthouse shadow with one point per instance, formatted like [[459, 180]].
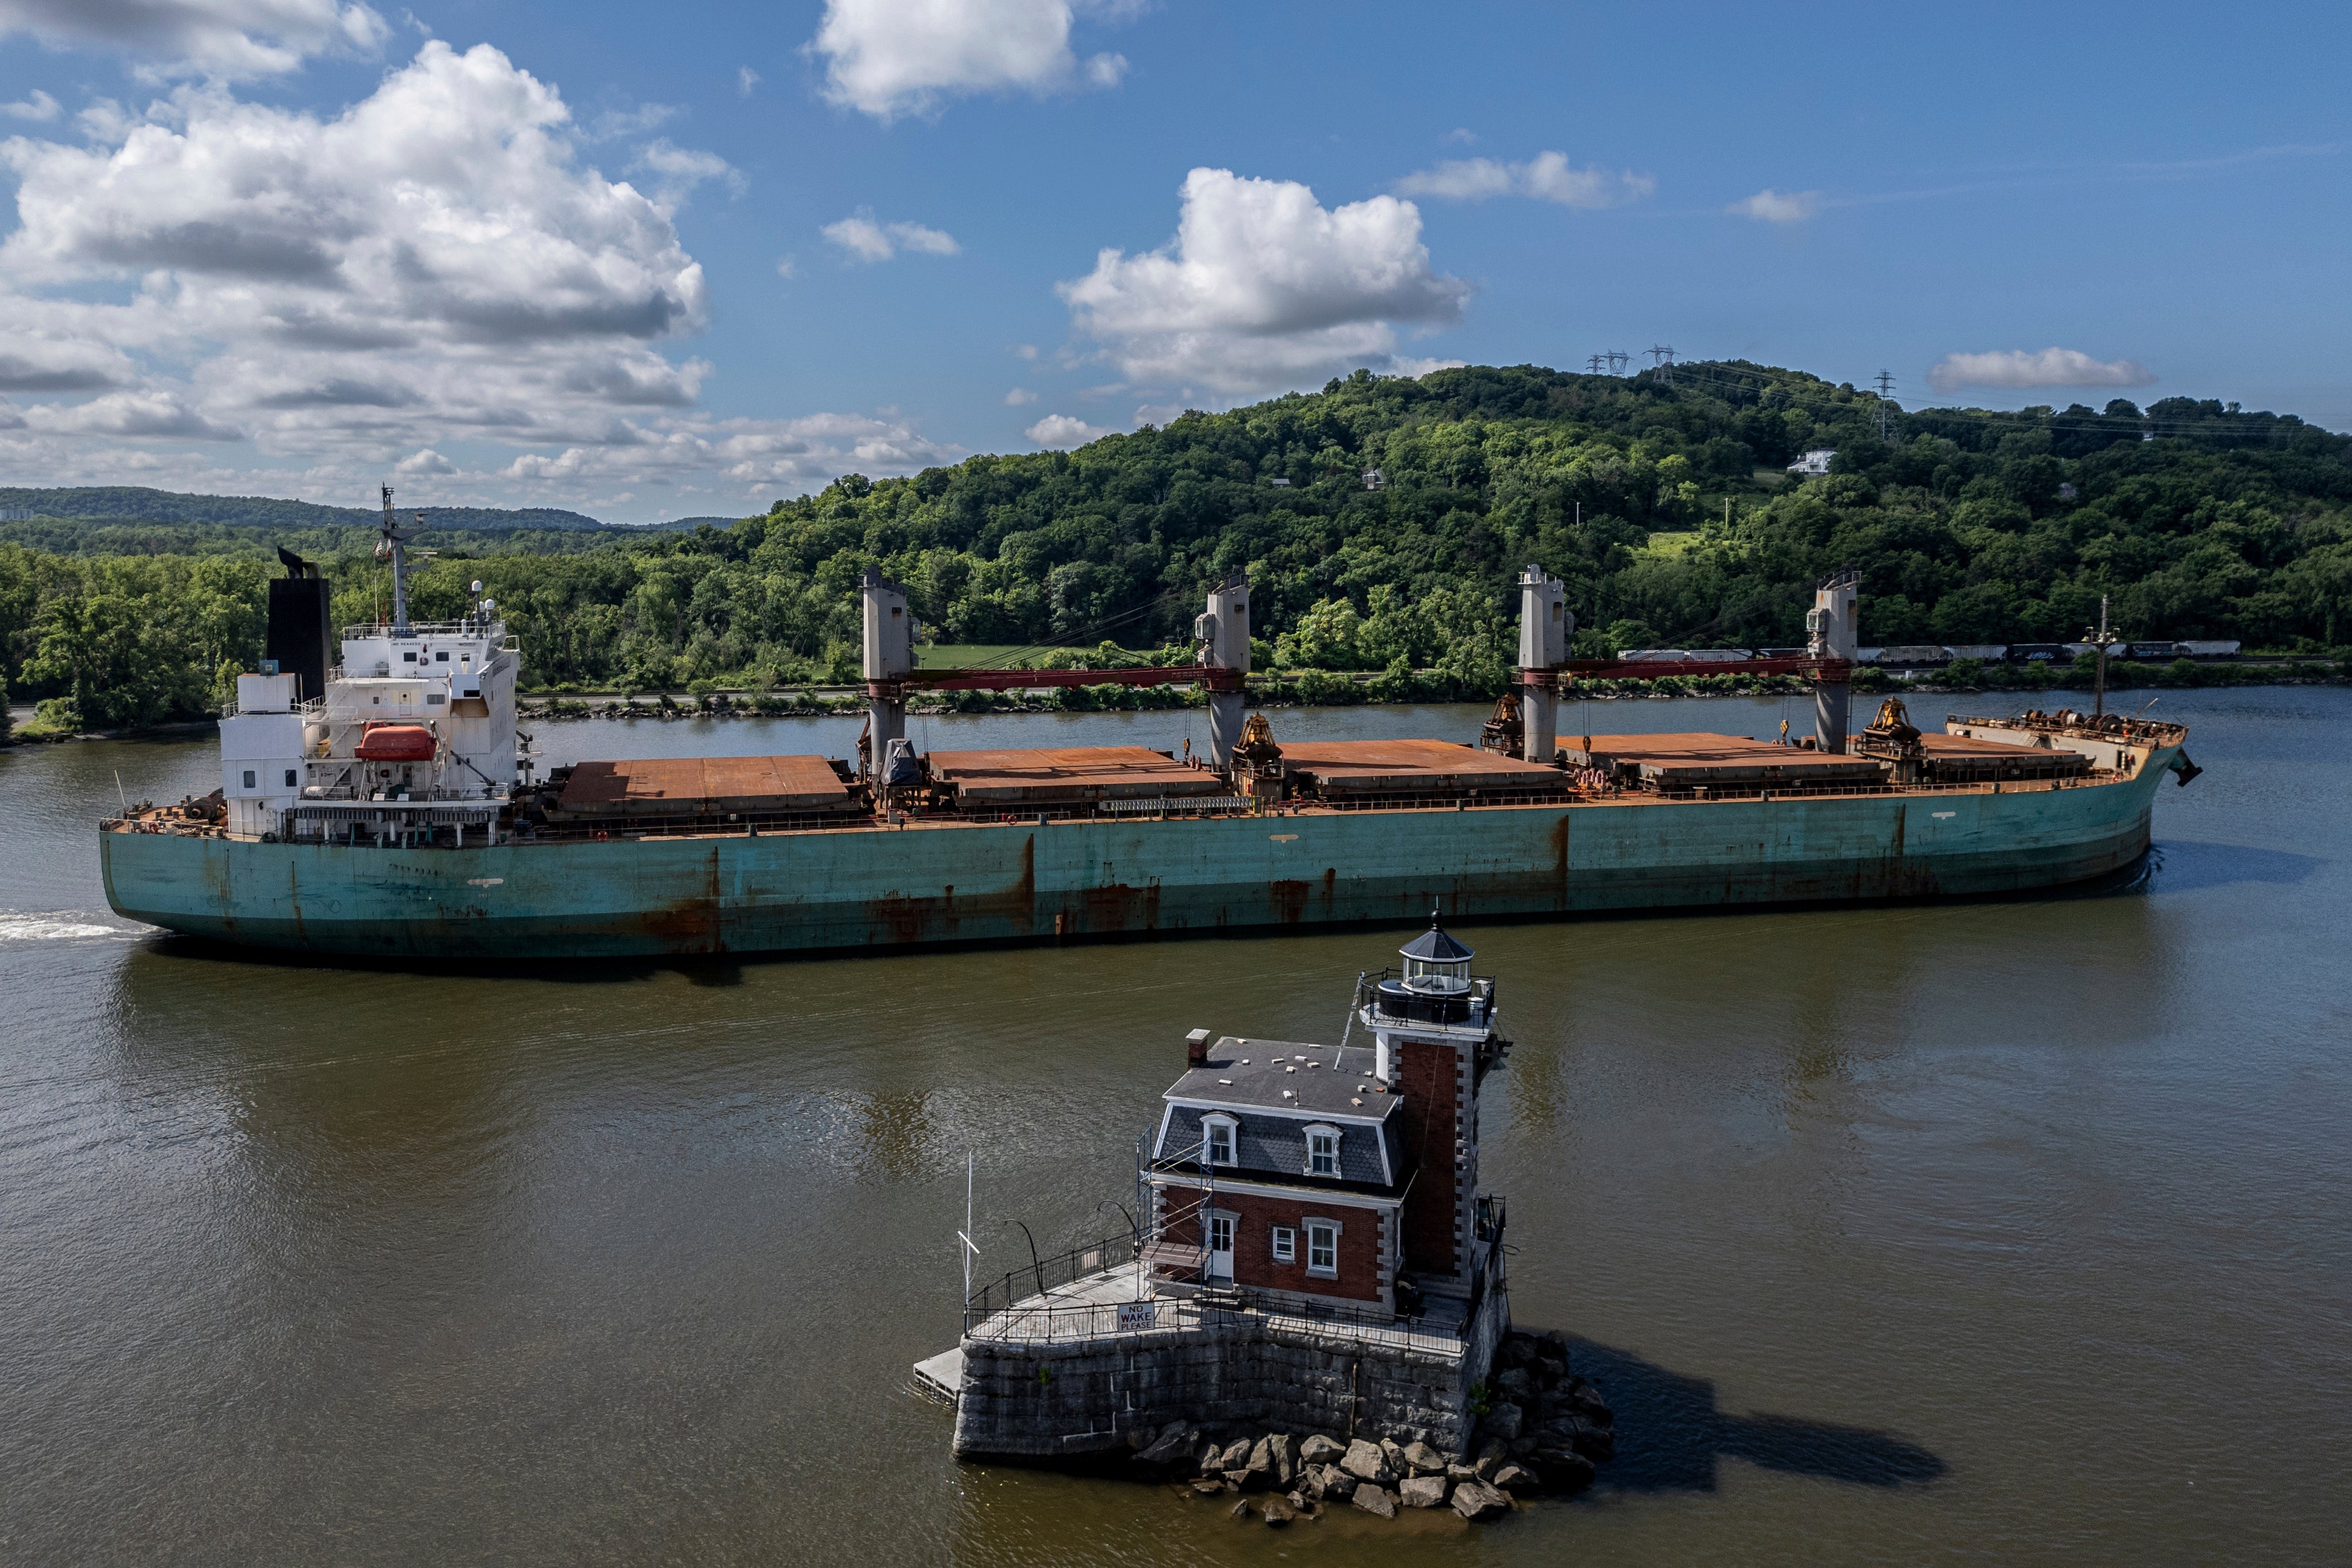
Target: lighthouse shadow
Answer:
[[1672, 1435]]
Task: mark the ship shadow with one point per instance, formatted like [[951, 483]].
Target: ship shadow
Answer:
[[2188, 865], [1673, 1436]]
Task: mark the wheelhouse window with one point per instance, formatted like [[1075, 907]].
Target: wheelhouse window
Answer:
[[1322, 1247], [1322, 1150], [1285, 1244]]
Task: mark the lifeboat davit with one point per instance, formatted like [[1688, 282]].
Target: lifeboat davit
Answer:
[[396, 743]]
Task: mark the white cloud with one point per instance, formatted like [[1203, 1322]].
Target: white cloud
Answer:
[[36, 106], [746, 78], [423, 461], [892, 57], [676, 171], [145, 412], [433, 265], [1060, 431], [1417, 368], [1026, 350], [1018, 397], [1459, 137], [221, 38], [1769, 206], [866, 238], [1263, 287], [1546, 177], [618, 123], [2049, 367], [786, 265]]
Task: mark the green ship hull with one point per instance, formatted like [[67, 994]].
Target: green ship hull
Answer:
[[876, 888]]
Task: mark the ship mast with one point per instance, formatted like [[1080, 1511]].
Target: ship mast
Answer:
[[392, 548]]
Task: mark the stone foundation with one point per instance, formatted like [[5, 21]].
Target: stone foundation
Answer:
[[1110, 1392]]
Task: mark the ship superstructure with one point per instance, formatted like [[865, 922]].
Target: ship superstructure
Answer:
[[377, 798], [405, 732]]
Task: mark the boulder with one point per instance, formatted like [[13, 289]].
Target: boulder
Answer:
[[1587, 1402], [1476, 1500], [1241, 1509], [1493, 1453], [1512, 1477], [1319, 1450], [1171, 1448], [1366, 1463], [1235, 1455], [1517, 1350], [1597, 1444], [1424, 1460], [1302, 1505], [1421, 1491], [1334, 1482], [1458, 1472], [1516, 1386], [1553, 1343], [1502, 1422], [1373, 1500], [1550, 1372], [1257, 1474], [1283, 1449], [1562, 1470], [1523, 1446], [1279, 1512], [1393, 1451], [1208, 1486]]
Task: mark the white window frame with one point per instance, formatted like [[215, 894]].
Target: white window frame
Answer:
[[1322, 1129], [1285, 1244], [1331, 1229], [1212, 1124]]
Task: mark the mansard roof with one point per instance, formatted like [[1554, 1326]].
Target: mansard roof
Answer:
[[1272, 1147]]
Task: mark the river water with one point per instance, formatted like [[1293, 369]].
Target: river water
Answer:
[[2011, 1231]]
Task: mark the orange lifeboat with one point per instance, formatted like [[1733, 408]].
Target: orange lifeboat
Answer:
[[396, 743]]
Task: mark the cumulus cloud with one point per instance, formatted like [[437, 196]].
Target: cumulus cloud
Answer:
[[2049, 367], [1769, 206], [1061, 432], [340, 294], [746, 78], [894, 58], [225, 39], [421, 462], [1263, 287], [1546, 177], [36, 106], [133, 413], [1018, 397], [866, 238], [676, 171]]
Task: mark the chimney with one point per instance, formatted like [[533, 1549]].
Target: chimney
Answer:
[[1196, 1048]]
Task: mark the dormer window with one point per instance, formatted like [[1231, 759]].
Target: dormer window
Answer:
[[1322, 1150], [1217, 1137]]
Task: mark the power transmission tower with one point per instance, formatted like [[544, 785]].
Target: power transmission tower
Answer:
[[1594, 364], [1885, 385], [1661, 356], [1617, 358]]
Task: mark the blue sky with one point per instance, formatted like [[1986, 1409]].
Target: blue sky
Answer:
[[654, 262]]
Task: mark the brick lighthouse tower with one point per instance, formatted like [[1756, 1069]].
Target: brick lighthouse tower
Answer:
[[1433, 1031]]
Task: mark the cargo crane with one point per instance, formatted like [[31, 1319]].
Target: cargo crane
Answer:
[[1526, 722]]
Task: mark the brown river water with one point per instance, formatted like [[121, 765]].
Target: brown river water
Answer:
[[2011, 1231]]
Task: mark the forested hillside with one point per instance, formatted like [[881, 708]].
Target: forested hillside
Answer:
[[118, 504], [1660, 501]]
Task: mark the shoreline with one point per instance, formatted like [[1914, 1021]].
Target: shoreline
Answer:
[[1302, 689]]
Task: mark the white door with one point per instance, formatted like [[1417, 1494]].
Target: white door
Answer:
[[1221, 1247]]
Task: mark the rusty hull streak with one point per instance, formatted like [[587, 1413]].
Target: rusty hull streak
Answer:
[[908, 920]]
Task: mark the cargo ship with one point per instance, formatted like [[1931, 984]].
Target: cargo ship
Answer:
[[377, 800]]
